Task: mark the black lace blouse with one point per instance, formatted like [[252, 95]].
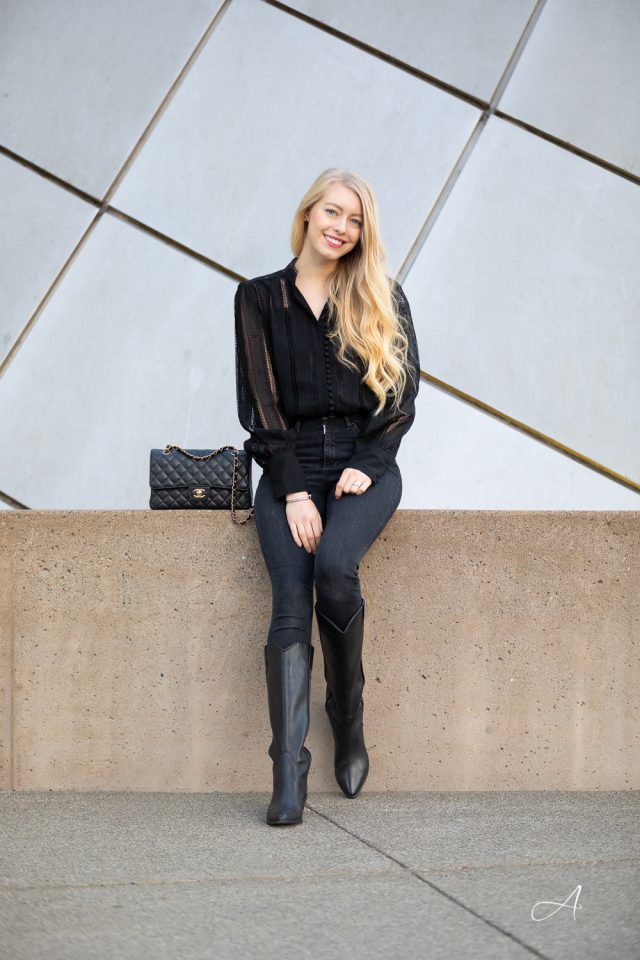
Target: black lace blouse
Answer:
[[287, 368]]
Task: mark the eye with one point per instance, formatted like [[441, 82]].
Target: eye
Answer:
[[357, 222]]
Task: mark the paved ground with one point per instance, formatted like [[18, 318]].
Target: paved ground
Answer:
[[149, 876]]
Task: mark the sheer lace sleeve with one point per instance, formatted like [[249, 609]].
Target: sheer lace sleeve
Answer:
[[272, 441], [381, 435]]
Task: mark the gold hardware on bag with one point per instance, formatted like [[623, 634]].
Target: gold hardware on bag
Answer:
[[199, 493]]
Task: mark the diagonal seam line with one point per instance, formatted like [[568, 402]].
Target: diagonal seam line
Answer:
[[383, 55], [531, 432], [164, 103], [434, 886]]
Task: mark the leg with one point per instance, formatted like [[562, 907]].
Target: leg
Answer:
[[288, 656], [353, 523], [352, 526], [290, 569]]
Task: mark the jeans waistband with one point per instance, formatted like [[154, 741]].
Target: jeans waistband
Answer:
[[340, 420]]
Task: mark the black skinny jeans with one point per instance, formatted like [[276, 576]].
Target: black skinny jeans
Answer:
[[351, 524]]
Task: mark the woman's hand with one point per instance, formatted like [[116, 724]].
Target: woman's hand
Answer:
[[352, 481], [305, 523]]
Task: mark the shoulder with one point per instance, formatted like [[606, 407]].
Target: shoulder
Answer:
[[265, 280], [400, 298], [396, 289], [259, 288]]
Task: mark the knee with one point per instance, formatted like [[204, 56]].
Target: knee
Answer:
[[292, 597], [334, 572]]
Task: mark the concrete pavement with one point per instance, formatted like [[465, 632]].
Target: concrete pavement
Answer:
[[149, 876]]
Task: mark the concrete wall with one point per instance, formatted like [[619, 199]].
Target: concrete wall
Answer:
[[501, 652], [152, 154]]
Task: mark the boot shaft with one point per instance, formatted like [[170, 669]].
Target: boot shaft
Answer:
[[288, 673], [343, 670]]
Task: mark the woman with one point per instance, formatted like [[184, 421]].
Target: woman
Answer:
[[327, 372]]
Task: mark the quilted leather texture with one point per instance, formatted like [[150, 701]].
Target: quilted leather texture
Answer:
[[179, 483]]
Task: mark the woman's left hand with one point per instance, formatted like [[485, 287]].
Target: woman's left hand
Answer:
[[352, 481]]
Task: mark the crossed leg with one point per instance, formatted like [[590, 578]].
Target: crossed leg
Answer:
[[351, 524]]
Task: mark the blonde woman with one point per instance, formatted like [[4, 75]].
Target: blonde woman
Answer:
[[327, 372]]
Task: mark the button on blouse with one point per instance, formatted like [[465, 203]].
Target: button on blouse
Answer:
[[287, 368]]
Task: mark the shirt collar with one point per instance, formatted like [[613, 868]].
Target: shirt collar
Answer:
[[290, 270]]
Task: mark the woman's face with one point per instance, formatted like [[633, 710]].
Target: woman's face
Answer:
[[336, 217]]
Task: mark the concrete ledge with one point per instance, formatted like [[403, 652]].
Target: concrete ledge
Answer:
[[501, 652]]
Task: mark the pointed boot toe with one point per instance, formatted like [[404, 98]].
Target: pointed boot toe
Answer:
[[351, 778], [351, 757]]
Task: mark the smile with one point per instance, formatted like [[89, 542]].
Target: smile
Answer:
[[332, 241]]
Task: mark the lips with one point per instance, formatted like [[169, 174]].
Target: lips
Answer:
[[333, 241]]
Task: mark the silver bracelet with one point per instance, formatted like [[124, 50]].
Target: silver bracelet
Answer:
[[295, 499]]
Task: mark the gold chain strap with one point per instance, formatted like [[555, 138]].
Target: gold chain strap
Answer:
[[234, 479]]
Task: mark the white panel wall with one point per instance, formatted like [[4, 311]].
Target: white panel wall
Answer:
[[135, 350], [463, 43], [579, 78], [523, 281], [41, 225], [526, 291], [80, 81], [254, 122], [467, 460]]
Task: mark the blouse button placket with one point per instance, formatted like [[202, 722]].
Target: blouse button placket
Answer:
[[327, 368]]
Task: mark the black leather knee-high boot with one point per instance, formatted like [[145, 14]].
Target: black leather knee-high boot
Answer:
[[344, 674], [288, 672]]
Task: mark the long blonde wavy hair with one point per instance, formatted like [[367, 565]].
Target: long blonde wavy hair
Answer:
[[368, 324]]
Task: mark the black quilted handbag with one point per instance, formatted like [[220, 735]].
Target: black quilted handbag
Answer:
[[201, 480]]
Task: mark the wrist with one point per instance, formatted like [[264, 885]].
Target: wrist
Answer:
[[301, 495]]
